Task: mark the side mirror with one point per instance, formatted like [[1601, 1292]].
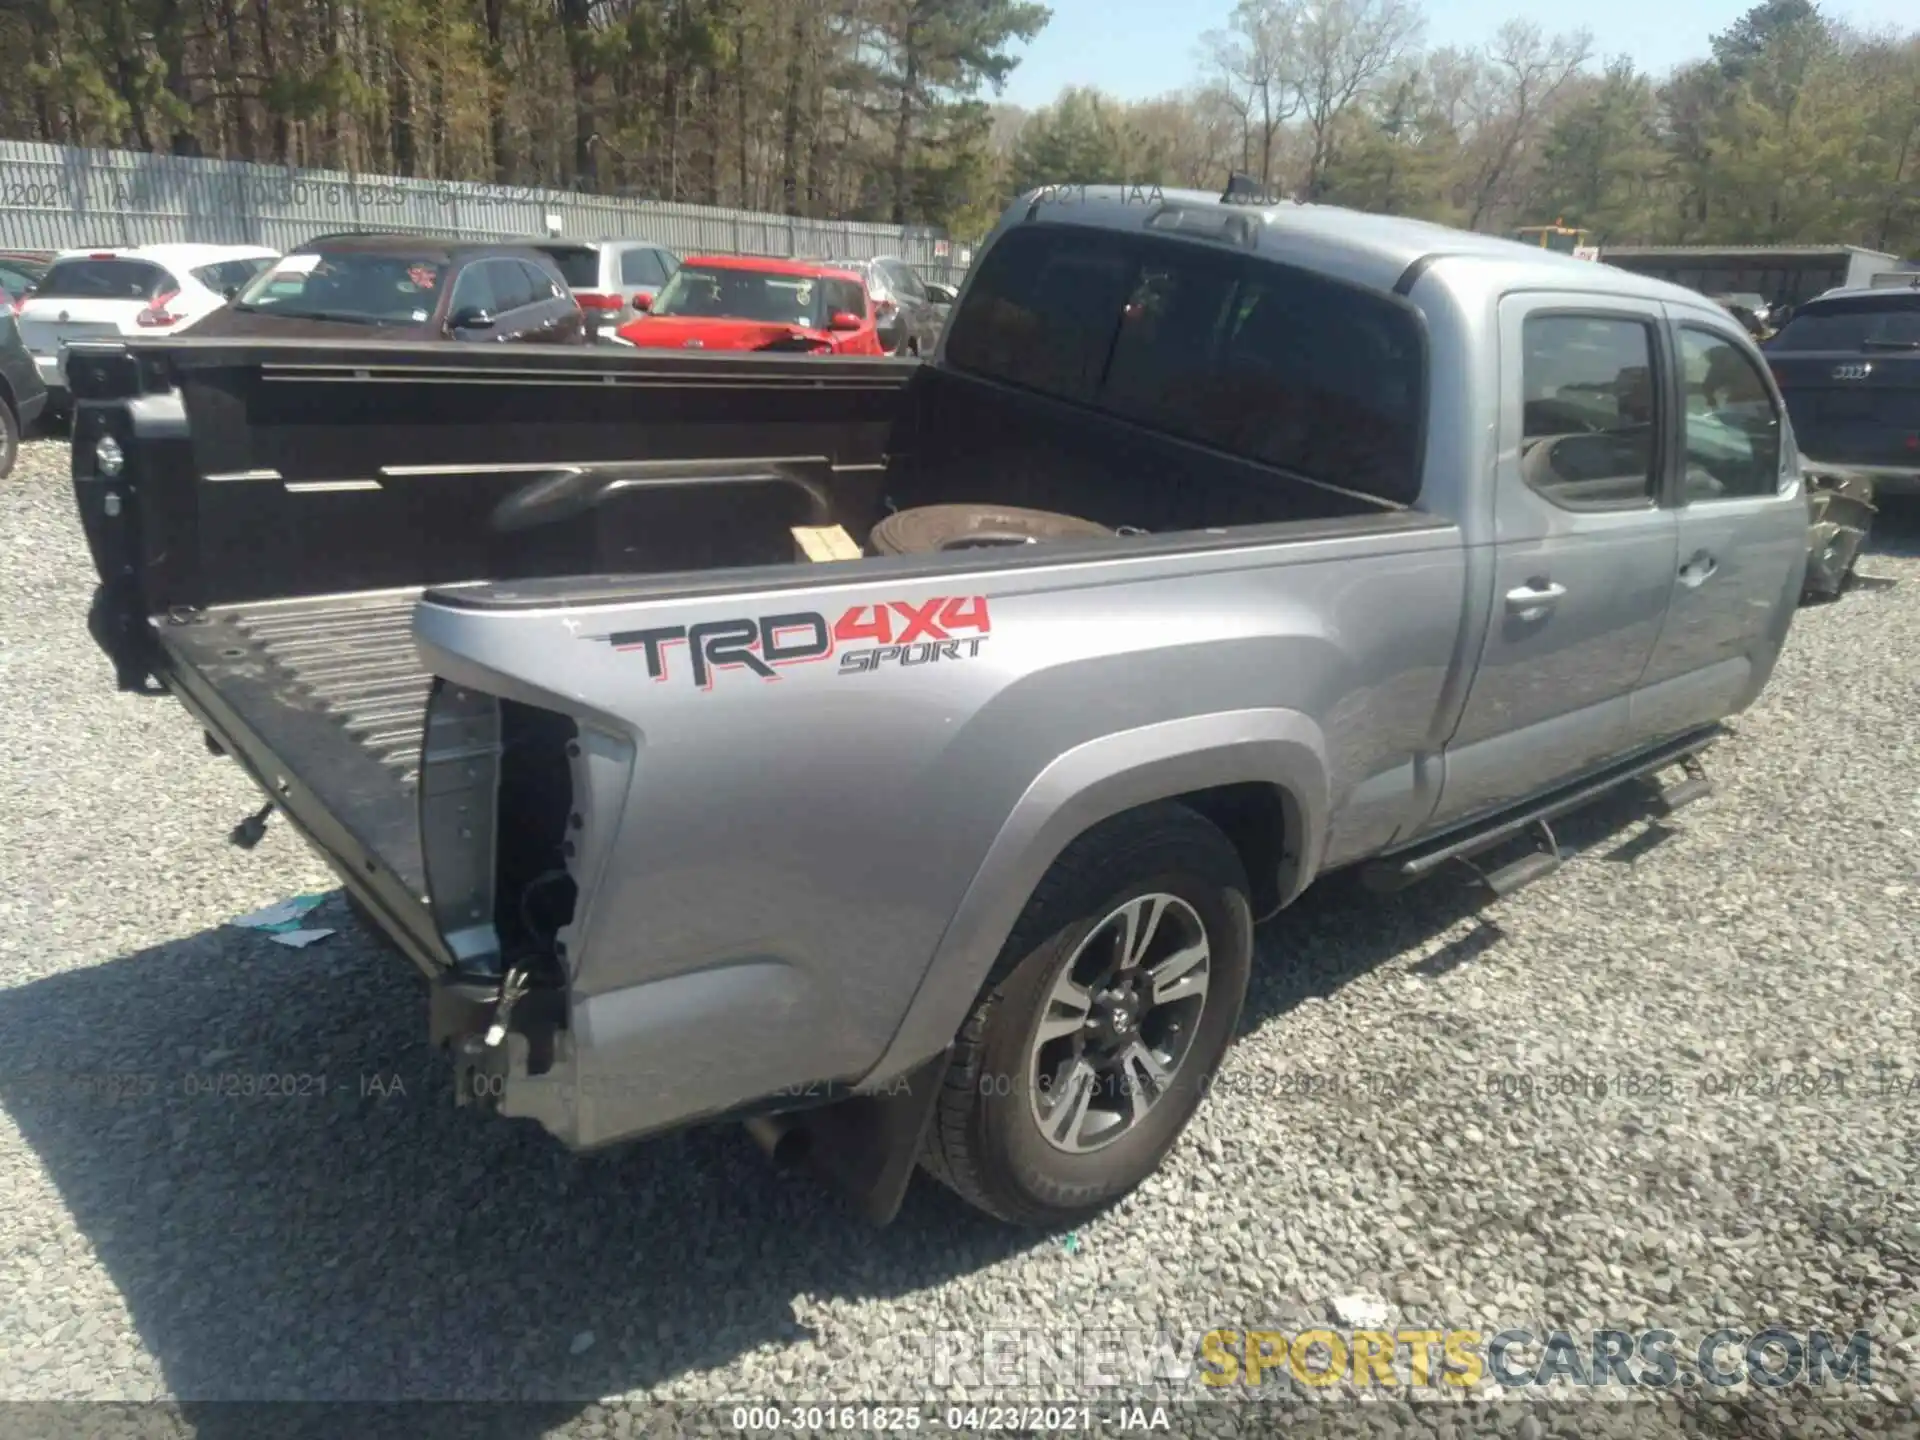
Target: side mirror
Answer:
[[844, 320], [472, 318], [230, 291], [643, 302]]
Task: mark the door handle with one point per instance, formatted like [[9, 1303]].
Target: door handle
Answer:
[[1534, 599], [1698, 569]]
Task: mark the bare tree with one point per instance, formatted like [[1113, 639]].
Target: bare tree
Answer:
[[1525, 73], [1251, 58], [1341, 50]]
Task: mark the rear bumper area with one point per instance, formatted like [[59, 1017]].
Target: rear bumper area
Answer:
[[321, 702]]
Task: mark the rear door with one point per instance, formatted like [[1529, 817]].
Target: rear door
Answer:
[[1743, 535], [1585, 552]]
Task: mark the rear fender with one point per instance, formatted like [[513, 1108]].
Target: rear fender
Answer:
[[1094, 782]]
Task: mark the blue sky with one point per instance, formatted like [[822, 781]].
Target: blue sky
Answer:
[[1137, 48]]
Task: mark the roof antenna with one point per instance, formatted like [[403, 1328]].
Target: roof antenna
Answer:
[[1243, 189]]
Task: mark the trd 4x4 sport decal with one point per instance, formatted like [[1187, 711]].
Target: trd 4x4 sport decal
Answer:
[[897, 632]]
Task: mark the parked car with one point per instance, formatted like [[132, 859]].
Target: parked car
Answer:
[[405, 287], [20, 271], [1848, 363], [135, 290], [907, 316], [1394, 545], [738, 302], [608, 277], [23, 394]]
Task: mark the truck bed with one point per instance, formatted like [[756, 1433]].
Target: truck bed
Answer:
[[324, 696]]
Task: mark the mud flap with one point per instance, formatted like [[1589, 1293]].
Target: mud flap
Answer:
[[867, 1145]]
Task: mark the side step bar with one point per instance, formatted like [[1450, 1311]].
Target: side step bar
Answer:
[[1399, 869]]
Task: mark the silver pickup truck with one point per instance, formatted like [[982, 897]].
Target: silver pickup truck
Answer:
[[1387, 545]]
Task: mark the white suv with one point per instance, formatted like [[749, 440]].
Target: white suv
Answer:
[[137, 290]]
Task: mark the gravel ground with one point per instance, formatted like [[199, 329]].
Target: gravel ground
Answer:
[[1372, 1148]]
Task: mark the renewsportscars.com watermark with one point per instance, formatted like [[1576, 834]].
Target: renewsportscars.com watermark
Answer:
[[1515, 1361]]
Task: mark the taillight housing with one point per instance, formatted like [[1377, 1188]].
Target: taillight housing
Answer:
[[591, 301], [156, 316]]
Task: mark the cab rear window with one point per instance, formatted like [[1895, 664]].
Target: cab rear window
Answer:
[[1275, 364]]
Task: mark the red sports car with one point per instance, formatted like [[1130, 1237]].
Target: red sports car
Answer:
[[739, 302]]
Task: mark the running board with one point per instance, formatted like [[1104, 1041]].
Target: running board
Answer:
[[1399, 869]]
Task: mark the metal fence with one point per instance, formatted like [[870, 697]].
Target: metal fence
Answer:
[[59, 197]]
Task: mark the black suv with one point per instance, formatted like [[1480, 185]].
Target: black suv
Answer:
[[23, 394], [1848, 364], [406, 287]]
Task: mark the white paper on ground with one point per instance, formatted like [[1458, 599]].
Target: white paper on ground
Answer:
[[278, 914], [298, 939]]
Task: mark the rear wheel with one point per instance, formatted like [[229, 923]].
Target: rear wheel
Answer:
[[9, 438], [1105, 1018]]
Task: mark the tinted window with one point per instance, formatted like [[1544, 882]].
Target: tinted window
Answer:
[[16, 280], [353, 286], [1320, 379], [1282, 367], [473, 290], [844, 295], [723, 292], [642, 267], [1170, 328], [1732, 429], [1587, 410], [1890, 324], [1043, 311], [580, 267], [905, 281], [229, 274], [104, 280], [543, 286]]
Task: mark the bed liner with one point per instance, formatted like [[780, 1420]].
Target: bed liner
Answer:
[[332, 684]]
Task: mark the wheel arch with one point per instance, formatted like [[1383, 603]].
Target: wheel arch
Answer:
[[1260, 775]]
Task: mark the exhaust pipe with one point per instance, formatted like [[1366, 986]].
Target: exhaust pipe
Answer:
[[782, 1140]]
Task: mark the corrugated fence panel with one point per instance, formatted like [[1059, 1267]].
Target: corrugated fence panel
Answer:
[[56, 197]]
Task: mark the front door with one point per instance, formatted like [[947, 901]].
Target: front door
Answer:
[[1743, 537], [1585, 553]]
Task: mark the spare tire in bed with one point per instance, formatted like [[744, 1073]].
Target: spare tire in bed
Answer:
[[927, 529]]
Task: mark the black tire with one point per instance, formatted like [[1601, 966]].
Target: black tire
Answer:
[[985, 1141], [928, 529], [9, 438]]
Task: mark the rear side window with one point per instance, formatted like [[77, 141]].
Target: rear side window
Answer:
[[1043, 311], [1280, 366], [580, 268], [227, 275], [844, 295], [1732, 428], [1587, 411], [1890, 324], [114, 279], [540, 285], [642, 267]]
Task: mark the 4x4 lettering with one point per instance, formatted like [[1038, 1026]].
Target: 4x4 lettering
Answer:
[[717, 644], [921, 619], [966, 612], [864, 622]]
